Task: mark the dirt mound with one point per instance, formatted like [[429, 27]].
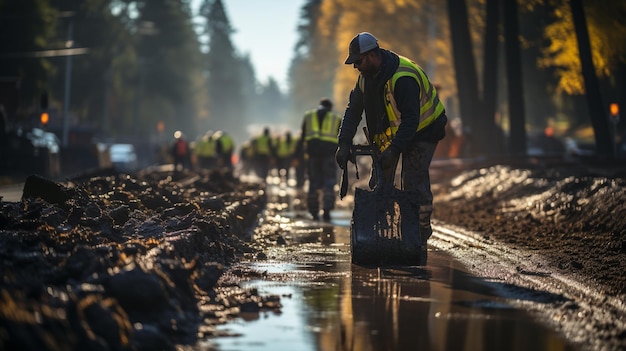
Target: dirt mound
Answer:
[[123, 263], [572, 216]]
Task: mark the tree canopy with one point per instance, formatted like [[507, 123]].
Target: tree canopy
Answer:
[[156, 62]]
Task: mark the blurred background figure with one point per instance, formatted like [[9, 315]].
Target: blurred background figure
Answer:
[[224, 148], [263, 154], [319, 130], [285, 151], [205, 151], [299, 162], [551, 145], [180, 152], [246, 156]]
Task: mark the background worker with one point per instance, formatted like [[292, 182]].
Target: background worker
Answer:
[[285, 150], [403, 115], [298, 162], [180, 152], [205, 151], [263, 154], [224, 148], [246, 158], [319, 133]]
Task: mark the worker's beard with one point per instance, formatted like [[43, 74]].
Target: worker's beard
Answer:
[[369, 72]]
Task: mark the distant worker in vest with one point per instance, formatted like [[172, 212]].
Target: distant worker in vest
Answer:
[[263, 154], [205, 151], [246, 158], [404, 116], [319, 135], [285, 149], [180, 152], [225, 146], [298, 162]]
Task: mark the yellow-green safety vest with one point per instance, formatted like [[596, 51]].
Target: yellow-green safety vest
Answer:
[[328, 130], [430, 105], [205, 147], [227, 143], [285, 148], [262, 145]]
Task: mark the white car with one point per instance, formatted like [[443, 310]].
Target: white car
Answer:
[[123, 157]]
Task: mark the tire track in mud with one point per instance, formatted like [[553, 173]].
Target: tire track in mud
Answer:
[[584, 315]]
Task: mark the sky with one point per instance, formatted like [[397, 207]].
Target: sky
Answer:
[[266, 31]]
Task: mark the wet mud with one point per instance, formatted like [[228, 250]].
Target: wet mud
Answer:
[[575, 216], [160, 260], [124, 262]]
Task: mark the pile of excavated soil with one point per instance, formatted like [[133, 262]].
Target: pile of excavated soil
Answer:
[[574, 216], [124, 263]]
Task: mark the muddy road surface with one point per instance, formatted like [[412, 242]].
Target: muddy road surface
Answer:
[[208, 262], [330, 304]]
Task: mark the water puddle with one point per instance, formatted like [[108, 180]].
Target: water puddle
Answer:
[[330, 304]]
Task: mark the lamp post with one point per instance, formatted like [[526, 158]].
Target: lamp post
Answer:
[[68, 83]]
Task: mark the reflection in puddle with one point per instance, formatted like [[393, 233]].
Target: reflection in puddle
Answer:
[[330, 304], [348, 307]]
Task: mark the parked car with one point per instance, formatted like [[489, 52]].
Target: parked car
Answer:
[[123, 157], [577, 149]]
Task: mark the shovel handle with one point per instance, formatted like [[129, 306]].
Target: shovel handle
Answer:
[[344, 182]]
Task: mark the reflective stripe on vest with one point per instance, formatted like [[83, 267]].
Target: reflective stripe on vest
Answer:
[[430, 105], [328, 131]]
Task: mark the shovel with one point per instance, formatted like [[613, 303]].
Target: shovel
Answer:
[[385, 225]]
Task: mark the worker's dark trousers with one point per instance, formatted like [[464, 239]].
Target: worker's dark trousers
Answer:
[[322, 176], [415, 176]]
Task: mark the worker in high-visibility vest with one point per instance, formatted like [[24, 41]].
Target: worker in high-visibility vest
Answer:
[[319, 134], [224, 148], [205, 151], [263, 154], [299, 162], [285, 149], [246, 158], [403, 113]]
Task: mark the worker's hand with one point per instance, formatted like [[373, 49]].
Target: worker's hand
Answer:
[[342, 155], [389, 157]]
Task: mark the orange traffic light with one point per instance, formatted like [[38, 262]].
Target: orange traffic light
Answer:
[[614, 109], [44, 118]]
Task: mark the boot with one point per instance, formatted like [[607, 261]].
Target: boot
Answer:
[[423, 254], [425, 228], [326, 216]]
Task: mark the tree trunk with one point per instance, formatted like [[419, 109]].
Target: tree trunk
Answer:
[[465, 71], [517, 121], [494, 143], [597, 111]]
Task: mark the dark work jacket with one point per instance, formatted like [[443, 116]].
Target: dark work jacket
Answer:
[[372, 101]]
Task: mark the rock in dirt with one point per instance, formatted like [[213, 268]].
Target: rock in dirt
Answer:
[[122, 262]]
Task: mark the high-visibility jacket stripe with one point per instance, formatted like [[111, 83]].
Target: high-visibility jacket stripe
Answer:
[[430, 105], [328, 130]]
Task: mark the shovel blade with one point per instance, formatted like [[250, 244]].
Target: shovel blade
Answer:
[[385, 227]]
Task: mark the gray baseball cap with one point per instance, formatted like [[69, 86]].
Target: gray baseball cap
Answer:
[[361, 43]]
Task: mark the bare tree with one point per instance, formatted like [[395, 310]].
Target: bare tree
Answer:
[[517, 133], [465, 69], [599, 120]]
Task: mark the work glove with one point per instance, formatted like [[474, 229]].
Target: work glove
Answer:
[[342, 155], [389, 157]]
